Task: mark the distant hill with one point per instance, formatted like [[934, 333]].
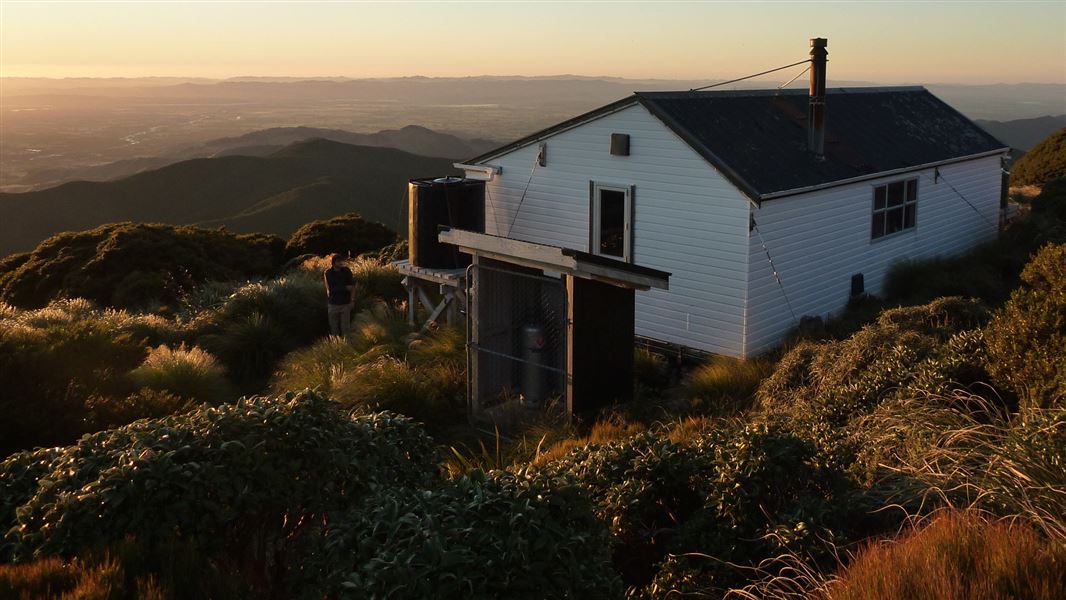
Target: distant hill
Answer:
[[414, 139], [277, 193], [1023, 134], [1044, 163]]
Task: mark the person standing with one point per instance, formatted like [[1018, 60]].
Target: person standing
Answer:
[[340, 294]]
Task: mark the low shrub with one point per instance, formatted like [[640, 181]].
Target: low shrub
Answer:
[[957, 556], [348, 235], [739, 493], [1026, 339], [105, 412], [132, 265], [240, 482], [1043, 163], [477, 536], [188, 373], [819, 387]]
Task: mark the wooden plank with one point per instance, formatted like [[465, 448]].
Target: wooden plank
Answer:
[[452, 277], [545, 257], [635, 280], [437, 311], [507, 248]]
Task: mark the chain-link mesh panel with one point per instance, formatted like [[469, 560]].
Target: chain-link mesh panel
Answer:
[[517, 341]]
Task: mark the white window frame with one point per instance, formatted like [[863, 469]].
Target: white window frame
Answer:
[[903, 207], [595, 220]]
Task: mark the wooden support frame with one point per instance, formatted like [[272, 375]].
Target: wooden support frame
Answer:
[[449, 283]]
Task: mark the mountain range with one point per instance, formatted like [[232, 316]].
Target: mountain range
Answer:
[[1023, 134], [272, 193], [413, 139]]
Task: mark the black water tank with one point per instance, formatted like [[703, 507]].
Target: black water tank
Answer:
[[449, 201]]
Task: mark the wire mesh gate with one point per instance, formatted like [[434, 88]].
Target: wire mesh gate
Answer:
[[516, 342]]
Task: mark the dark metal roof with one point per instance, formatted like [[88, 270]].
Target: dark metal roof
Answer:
[[758, 138]]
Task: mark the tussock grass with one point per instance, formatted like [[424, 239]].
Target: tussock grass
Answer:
[[385, 365], [723, 385], [53, 579], [609, 429], [651, 370], [375, 279], [965, 451], [957, 556], [188, 373], [127, 570]]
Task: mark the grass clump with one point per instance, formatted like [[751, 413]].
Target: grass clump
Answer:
[[188, 373], [723, 385], [53, 360], [384, 365], [957, 556], [258, 323]]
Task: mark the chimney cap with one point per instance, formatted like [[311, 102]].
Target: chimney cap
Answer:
[[819, 42]]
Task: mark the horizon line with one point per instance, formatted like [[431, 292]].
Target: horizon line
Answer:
[[334, 78]]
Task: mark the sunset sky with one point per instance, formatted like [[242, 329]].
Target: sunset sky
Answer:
[[892, 42]]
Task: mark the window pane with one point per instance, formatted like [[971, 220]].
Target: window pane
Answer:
[[893, 220], [912, 190], [895, 193], [612, 223], [878, 228], [879, 197], [908, 216]]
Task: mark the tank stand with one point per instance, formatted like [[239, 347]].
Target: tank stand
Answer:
[[450, 284]]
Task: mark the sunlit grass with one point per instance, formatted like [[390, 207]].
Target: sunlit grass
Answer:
[[957, 556]]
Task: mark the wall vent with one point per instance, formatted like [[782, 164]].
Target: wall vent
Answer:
[[620, 144], [858, 286]]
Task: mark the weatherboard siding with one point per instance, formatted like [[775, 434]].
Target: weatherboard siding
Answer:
[[688, 220], [819, 240]]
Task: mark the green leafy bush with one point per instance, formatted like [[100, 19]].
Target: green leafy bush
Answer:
[[241, 482], [105, 412], [738, 493], [477, 536], [135, 265], [1027, 338], [347, 235]]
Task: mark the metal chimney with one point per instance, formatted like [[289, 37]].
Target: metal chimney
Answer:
[[816, 108]]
